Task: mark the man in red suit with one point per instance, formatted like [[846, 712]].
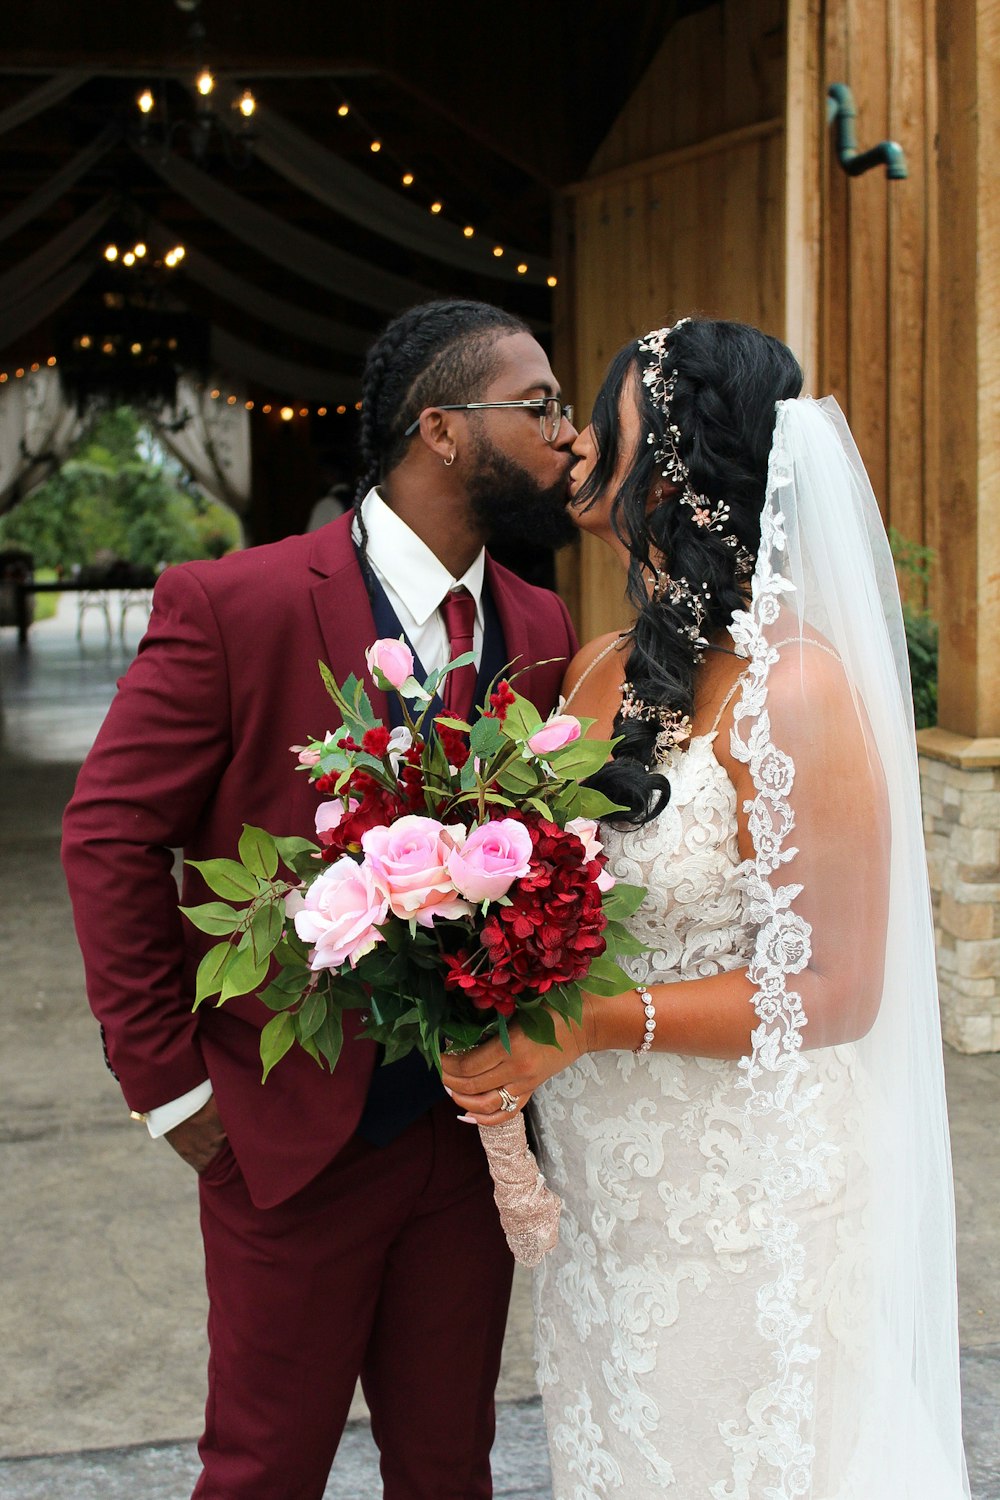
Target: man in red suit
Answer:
[[348, 1219]]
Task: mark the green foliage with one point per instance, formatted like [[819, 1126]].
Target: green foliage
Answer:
[[915, 564], [106, 500]]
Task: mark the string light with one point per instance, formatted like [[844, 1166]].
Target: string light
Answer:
[[35, 367], [139, 250], [266, 409], [230, 400], [436, 206], [341, 410], [552, 281], [128, 259], [146, 101], [110, 252], [51, 361], [246, 104], [287, 413], [248, 405], [204, 83]]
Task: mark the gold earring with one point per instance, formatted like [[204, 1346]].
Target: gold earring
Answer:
[[449, 461]]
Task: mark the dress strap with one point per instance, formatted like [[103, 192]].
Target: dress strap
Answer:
[[792, 640], [611, 646]]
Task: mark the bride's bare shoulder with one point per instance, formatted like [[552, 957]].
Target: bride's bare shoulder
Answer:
[[588, 658]]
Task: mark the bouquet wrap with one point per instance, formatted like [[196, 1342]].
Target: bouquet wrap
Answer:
[[529, 1209]]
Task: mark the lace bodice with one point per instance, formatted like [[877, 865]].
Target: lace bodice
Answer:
[[693, 918]]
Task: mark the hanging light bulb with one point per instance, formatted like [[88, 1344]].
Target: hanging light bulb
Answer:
[[287, 413], [468, 231], [110, 252], [128, 259], [552, 281], [436, 207], [407, 179], [376, 146], [522, 268], [178, 252], [146, 101], [204, 83], [498, 250], [139, 250], [343, 111], [246, 104]]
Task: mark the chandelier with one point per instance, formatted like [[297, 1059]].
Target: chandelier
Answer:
[[202, 128]]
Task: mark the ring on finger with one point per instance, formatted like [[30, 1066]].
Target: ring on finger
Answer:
[[508, 1101]]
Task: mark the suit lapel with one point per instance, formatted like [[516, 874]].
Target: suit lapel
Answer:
[[343, 609]]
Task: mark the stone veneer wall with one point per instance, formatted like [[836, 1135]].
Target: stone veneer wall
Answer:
[[960, 790]]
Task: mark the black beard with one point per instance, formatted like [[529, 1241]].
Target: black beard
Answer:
[[510, 505]]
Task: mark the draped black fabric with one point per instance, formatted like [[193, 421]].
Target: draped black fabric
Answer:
[[304, 254]]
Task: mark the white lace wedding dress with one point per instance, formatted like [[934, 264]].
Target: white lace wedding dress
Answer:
[[654, 1368]]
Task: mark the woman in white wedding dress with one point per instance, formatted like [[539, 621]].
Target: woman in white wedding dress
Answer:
[[753, 1296]]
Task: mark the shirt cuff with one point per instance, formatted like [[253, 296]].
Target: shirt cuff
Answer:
[[165, 1116]]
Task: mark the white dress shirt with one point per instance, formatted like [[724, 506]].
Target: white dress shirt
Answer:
[[415, 582]]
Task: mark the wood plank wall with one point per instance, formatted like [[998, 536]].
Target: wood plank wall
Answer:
[[685, 209]]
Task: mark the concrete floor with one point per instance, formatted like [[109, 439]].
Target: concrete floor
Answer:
[[102, 1322]]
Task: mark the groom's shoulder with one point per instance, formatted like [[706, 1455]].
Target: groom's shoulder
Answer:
[[528, 596]]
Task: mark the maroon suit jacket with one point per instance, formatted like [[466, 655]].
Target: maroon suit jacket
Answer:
[[196, 744]]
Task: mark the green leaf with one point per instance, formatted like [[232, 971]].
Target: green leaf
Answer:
[[604, 977], [312, 1015], [292, 952], [258, 851], [538, 1025], [620, 941], [519, 777], [264, 932], [590, 803], [567, 999], [486, 738], [522, 720], [580, 759], [214, 917], [275, 1040], [622, 901], [228, 878], [243, 975], [279, 997], [297, 854], [450, 722], [329, 1036], [211, 972], [503, 1032]]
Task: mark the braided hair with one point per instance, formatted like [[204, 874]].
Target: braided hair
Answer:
[[435, 354], [728, 378]]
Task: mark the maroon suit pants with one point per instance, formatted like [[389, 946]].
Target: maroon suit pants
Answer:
[[391, 1265]]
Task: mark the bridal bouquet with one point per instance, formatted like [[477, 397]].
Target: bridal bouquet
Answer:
[[457, 884]]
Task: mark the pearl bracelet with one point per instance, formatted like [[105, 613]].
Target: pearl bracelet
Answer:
[[647, 1036]]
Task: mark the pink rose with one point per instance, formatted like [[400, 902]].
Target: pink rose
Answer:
[[393, 659], [586, 831], [330, 815], [560, 730], [306, 757], [339, 914], [492, 857], [409, 862]]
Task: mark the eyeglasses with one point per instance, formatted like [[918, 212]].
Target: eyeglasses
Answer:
[[550, 409]]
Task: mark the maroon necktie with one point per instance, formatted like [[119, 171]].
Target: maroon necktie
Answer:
[[458, 610]]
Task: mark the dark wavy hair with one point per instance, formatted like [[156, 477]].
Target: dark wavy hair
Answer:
[[729, 377]]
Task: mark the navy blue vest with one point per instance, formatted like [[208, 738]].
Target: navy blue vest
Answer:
[[406, 1089]]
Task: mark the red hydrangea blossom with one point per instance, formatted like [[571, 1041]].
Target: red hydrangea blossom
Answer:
[[548, 935]]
